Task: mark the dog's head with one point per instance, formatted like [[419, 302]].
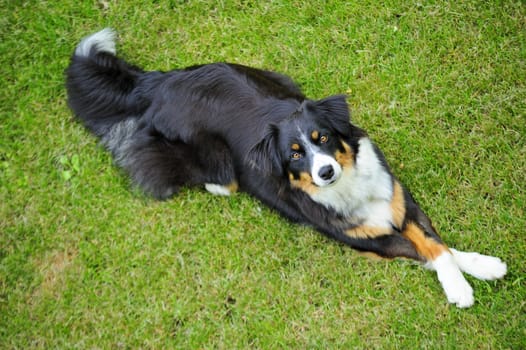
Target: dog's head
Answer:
[[310, 147]]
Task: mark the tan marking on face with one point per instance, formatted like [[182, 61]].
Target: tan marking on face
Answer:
[[295, 147], [315, 135], [398, 205], [345, 158], [304, 183], [425, 246], [364, 231]]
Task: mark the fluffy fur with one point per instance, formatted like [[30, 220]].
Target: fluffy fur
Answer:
[[228, 127]]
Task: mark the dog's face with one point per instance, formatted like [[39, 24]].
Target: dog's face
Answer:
[[309, 151], [309, 147]]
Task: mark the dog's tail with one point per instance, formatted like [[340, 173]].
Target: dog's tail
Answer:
[[102, 89]]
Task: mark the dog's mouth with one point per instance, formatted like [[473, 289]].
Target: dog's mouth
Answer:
[[332, 182], [326, 183], [325, 170]]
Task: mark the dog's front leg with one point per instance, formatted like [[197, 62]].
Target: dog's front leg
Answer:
[[413, 243]]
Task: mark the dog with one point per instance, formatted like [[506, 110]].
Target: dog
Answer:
[[230, 127]]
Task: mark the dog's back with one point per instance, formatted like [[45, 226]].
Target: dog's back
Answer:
[[171, 129], [112, 97]]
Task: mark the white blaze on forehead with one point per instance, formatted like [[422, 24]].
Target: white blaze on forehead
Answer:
[[320, 160]]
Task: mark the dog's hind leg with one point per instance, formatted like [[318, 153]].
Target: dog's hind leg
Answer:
[[221, 190], [160, 166], [216, 164]]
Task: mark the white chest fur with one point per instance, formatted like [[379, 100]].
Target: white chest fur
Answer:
[[364, 192]]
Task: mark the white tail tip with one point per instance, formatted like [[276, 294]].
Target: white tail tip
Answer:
[[100, 41]]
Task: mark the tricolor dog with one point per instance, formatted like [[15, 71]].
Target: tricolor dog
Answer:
[[229, 127]]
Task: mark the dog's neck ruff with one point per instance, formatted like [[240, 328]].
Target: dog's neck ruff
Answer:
[[363, 193]]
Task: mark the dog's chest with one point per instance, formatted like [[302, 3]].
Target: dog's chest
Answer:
[[364, 192]]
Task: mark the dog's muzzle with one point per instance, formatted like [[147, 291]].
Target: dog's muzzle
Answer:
[[325, 170]]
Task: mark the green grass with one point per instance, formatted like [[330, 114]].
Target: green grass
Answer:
[[86, 262]]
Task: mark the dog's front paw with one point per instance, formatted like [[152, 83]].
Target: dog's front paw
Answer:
[[459, 292], [457, 289], [483, 267]]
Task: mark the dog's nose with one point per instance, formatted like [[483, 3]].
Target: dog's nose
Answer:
[[326, 172]]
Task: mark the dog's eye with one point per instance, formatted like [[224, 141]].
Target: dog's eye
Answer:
[[295, 155], [324, 139]]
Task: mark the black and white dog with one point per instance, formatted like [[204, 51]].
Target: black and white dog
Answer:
[[229, 127]]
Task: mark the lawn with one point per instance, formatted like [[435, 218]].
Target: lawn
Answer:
[[88, 262]]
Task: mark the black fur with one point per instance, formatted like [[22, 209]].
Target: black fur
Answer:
[[240, 127], [218, 123]]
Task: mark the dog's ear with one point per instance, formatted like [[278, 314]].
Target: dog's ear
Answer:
[[264, 156], [335, 111]]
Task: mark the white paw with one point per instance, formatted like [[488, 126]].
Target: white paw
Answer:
[[457, 289], [483, 267], [217, 189], [459, 293]]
